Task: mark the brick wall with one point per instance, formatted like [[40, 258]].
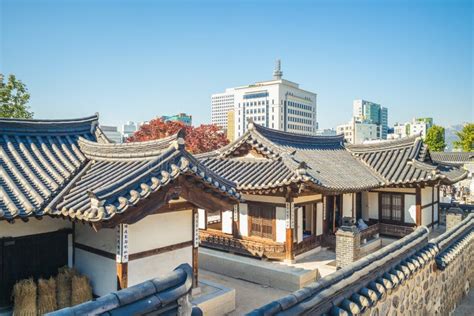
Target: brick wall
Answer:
[[347, 246]]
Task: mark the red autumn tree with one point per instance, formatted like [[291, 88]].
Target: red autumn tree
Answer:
[[201, 139]]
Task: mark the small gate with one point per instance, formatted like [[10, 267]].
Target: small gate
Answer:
[[30, 256]]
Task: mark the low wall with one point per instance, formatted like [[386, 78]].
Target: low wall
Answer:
[[410, 276]]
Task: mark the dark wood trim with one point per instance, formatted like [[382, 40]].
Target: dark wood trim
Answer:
[[73, 243], [402, 215], [427, 205], [307, 202], [175, 207], [160, 250], [408, 193], [418, 206], [95, 251], [122, 275]]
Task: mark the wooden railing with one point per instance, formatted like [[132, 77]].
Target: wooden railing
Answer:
[[370, 233], [308, 243], [245, 246]]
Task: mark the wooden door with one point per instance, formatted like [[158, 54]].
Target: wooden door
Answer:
[[30, 256]]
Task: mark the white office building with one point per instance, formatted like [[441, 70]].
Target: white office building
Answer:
[[359, 132], [279, 104], [128, 129], [112, 133], [418, 126], [373, 113]]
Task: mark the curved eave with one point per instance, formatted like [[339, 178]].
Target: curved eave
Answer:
[[49, 127]]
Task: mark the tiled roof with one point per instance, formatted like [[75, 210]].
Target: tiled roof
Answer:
[[37, 160], [453, 157], [405, 161], [286, 158], [324, 162], [60, 168]]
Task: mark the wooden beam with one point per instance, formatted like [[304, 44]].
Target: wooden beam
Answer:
[[418, 206], [175, 207], [146, 207], [202, 199], [122, 275]]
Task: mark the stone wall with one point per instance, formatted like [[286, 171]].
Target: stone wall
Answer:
[[412, 276]]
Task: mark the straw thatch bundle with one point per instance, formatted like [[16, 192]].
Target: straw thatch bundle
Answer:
[[47, 296], [24, 295], [81, 290], [63, 286]]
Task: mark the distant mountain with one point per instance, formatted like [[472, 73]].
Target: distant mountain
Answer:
[[450, 135]]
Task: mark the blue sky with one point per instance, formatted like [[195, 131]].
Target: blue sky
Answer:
[[134, 60]]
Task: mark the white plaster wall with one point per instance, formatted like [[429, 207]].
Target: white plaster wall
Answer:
[[426, 216], [147, 268], [244, 220], [202, 218], [426, 197], [100, 270], [104, 239], [435, 195], [410, 208], [319, 219], [373, 205], [227, 222], [160, 230], [280, 224], [299, 226], [436, 214], [347, 205], [32, 227]]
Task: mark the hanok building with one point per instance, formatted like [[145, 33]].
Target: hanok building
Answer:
[[297, 190], [119, 213]]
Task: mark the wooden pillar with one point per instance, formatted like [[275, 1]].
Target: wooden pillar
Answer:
[[290, 226], [122, 275], [196, 247], [418, 206]]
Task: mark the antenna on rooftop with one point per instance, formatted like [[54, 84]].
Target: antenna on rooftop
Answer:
[[277, 73]]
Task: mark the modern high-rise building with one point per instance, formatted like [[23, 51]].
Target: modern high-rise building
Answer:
[[221, 104], [416, 126], [279, 104], [112, 133], [358, 132], [372, 113], [128, 129]]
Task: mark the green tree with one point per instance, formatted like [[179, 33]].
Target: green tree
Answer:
[[466, 138], [14, 97], [435, 138]]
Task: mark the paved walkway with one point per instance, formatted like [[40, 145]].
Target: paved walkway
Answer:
[[466, 307], [248, 295]]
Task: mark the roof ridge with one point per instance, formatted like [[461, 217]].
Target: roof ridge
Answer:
[[384, 145], [260, 128], [132, 150], [49, 126]]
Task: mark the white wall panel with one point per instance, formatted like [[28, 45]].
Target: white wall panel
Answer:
[[227, 222], [410, 208], [244, 220], [280, 224], [100, 270]]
